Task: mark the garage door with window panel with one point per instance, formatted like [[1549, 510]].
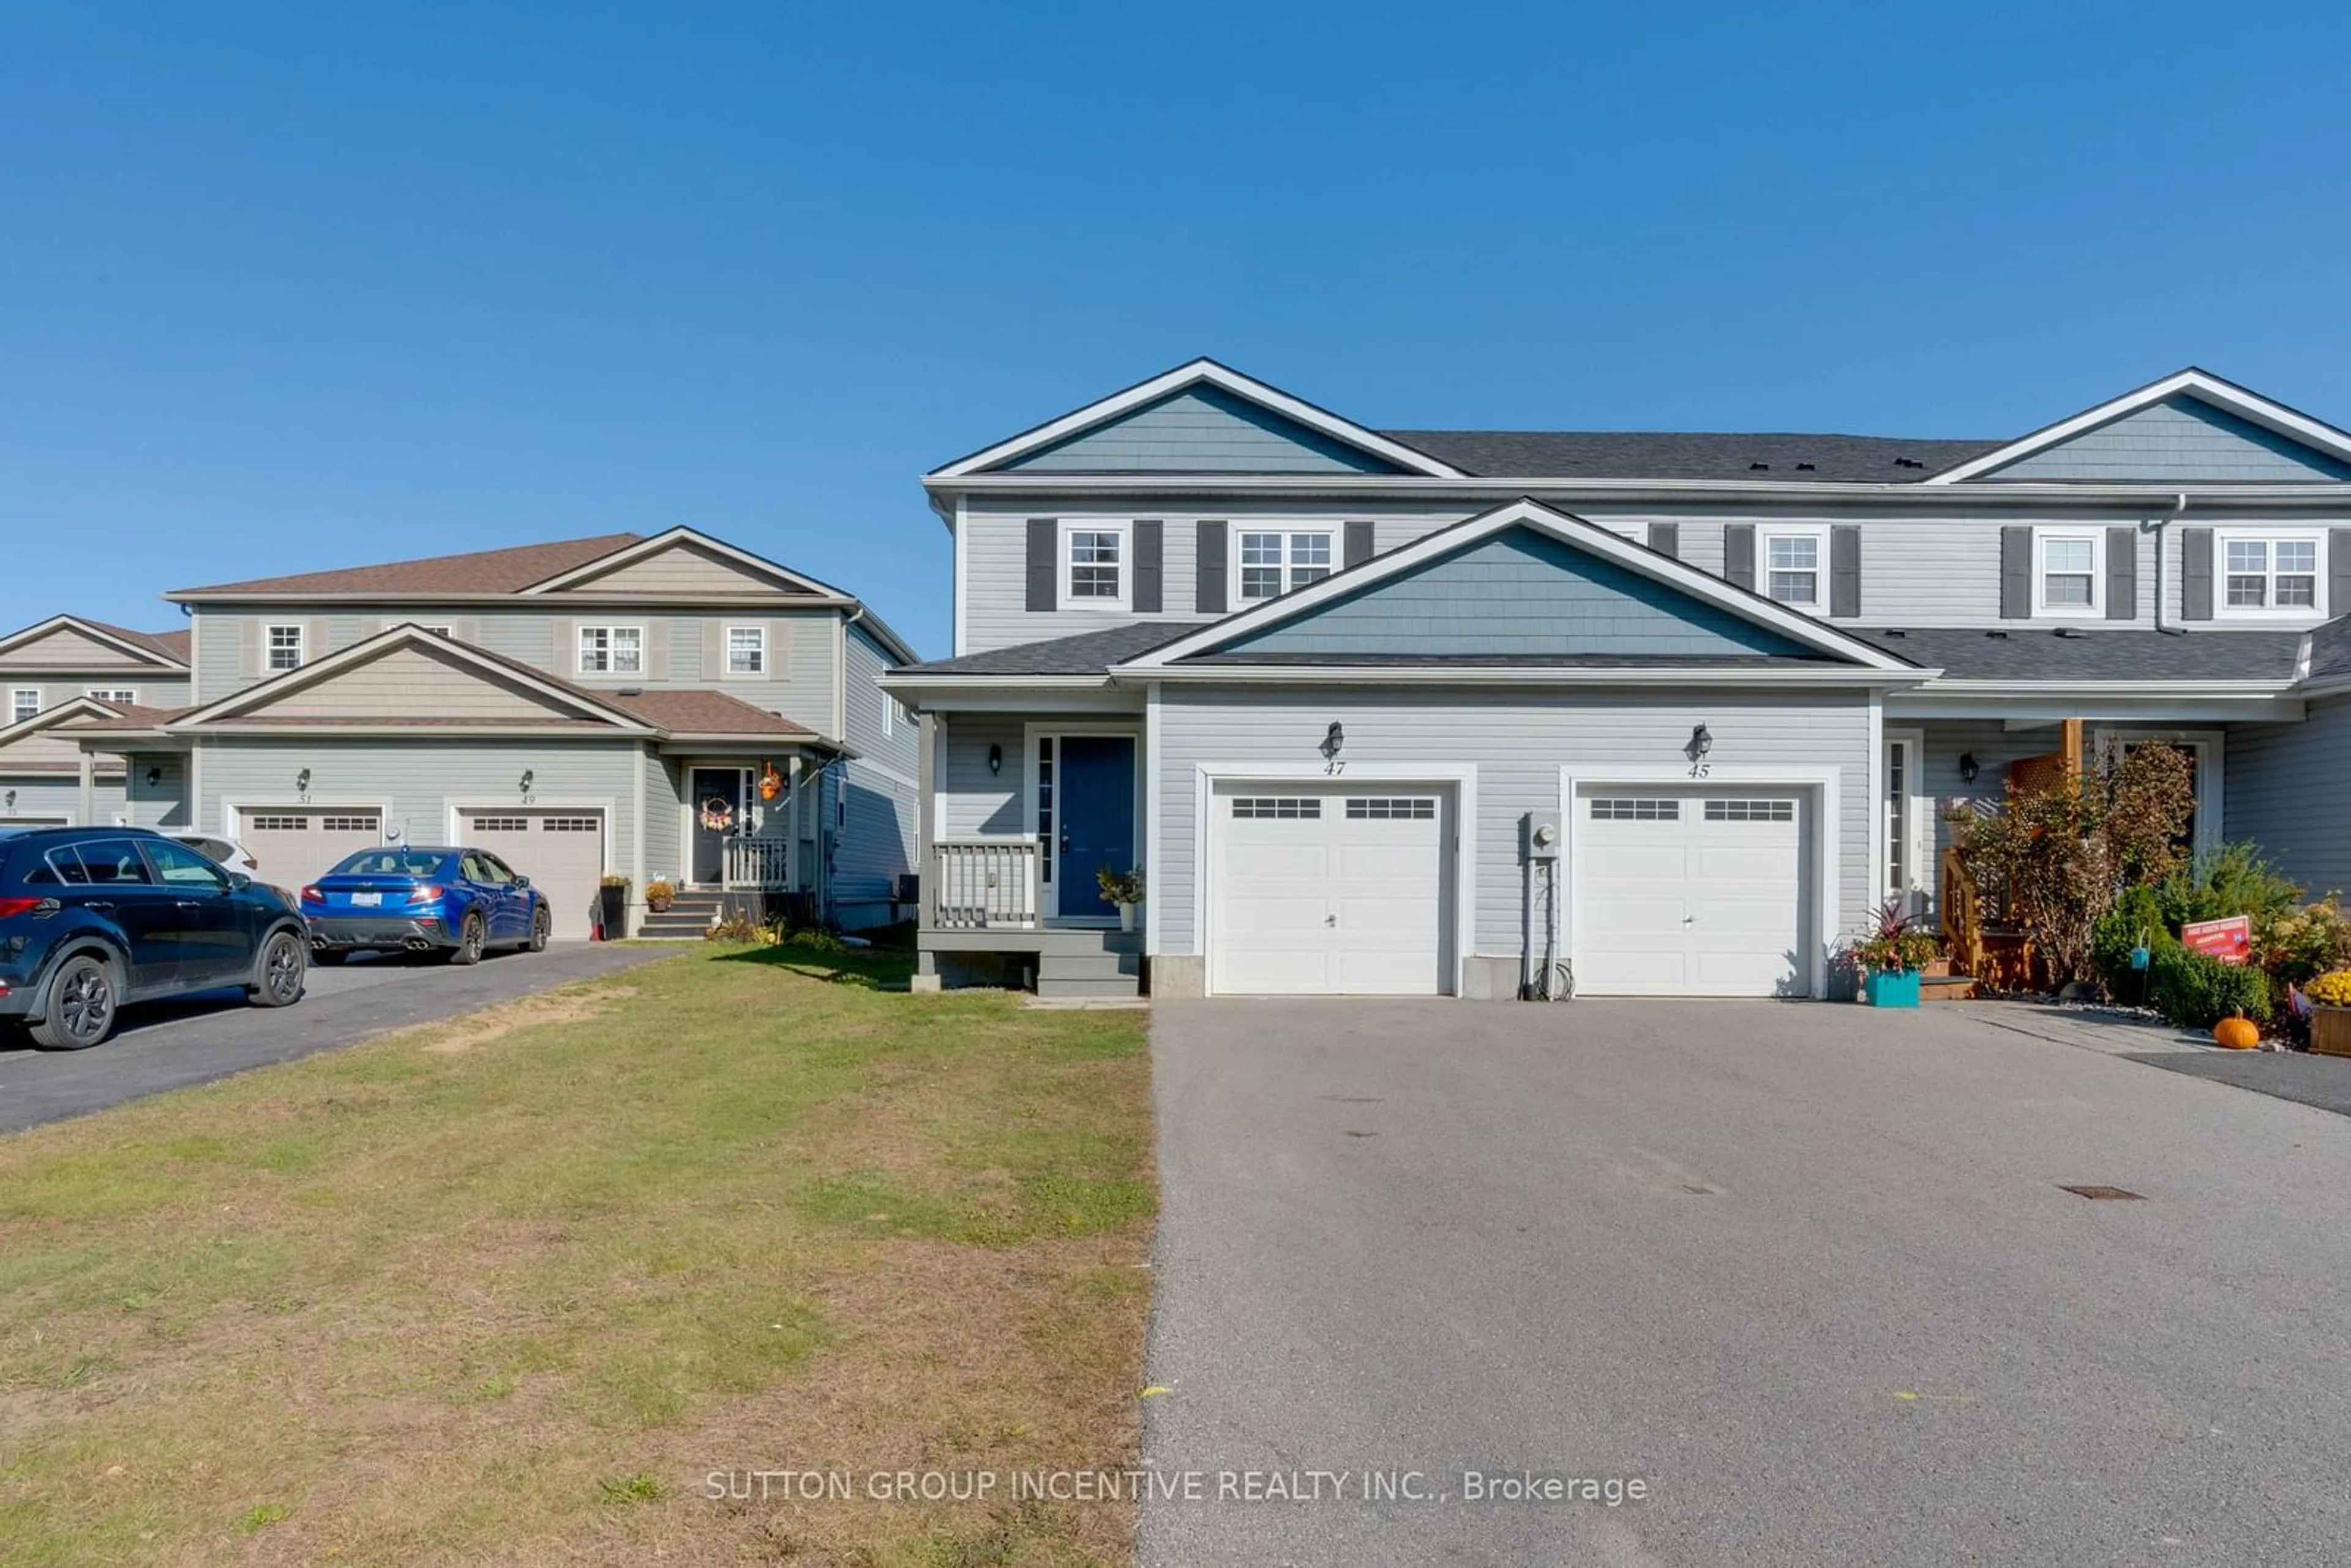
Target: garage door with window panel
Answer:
[[295, 845], [1690, 892], [562, 853], [1324, 890]]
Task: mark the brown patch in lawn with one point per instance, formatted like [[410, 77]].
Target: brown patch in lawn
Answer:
[[568, 1006]]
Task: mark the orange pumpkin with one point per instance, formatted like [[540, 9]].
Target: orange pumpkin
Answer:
[[2237, 1033]]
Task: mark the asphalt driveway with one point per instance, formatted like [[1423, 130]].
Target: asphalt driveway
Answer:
[[197, 1038], [1805, 1272]]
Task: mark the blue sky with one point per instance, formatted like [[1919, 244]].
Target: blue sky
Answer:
[[284, 287]]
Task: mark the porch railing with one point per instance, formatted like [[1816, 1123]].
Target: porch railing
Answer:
[[764, 863], [981, 883]]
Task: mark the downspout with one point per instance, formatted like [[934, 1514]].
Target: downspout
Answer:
[[2162, 589]]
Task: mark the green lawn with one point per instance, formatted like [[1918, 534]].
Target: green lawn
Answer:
[[508, 1288]]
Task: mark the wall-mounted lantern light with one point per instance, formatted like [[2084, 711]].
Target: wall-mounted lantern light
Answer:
[[1334, 742], [1968, 769], [302, 782], [154, 777], [1701, 741], [12, 800], [996, 759], [528, 776]]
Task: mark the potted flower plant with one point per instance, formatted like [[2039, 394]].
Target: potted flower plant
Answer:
[[1890, 955], [660, 893], [1124, 889], [2329, 997]]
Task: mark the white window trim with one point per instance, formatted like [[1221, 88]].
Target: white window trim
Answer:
[[268, 646], [1122, 605], [1287, 531], [728, 654], [1918, 830], [579, 648], [2094, 610], [2224, 611], [1048, 893], [39, 702], [1819, 534]]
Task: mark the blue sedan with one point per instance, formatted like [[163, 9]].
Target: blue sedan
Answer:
[[458, 903]]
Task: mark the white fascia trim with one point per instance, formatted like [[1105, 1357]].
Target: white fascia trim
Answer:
[[405, 635], [1203, 371], [1845, 679], [82, 706], [1571, 491], [1568, 530], [96, 633], [2185, 688], [2202, 385], [605, 564], [1826, 785], [1462, 778]]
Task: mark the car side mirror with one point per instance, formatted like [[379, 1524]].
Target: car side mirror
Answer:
[[521, 881], [238, 882]]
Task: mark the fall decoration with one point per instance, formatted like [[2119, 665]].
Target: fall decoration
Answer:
[[2237, 1033], [771, 783]]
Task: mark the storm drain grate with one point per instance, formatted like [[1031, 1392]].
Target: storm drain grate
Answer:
[[2098, 1190]]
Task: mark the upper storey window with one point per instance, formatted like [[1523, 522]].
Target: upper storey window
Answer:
[[1792, 564], [2271, 574], [747, 650], [285, 647], [1095, 567], [611, 650], [1272, 564], [2070, 576]]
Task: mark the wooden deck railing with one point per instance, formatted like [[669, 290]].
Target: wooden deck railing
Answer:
[[1961, 909], [976, 883], [763, 864]]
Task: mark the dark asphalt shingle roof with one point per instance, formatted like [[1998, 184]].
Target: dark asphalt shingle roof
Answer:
[[1528, 661], [2133, 654], [1087, 653], [2330, 650], [1692, 454]]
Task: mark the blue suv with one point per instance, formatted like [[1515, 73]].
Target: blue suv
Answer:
[[91, 918]]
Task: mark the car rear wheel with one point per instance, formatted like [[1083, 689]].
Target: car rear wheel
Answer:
[[79, 1012], [542, 923], [468, 949], [284, 960]]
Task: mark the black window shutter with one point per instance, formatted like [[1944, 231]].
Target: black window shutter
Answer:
[[1149, 558], [1044, 562], [1738, 555], [2338, 571], [1208, 597], [2196, 574], [1359, 543], [2016, 572], [2122, 572], [1844, 569], [1666, 539]]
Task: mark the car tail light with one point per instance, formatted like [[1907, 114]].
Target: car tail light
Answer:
[[18, 906], [311, 894], [427, 894]]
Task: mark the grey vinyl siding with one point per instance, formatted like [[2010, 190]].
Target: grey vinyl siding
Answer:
[[798, 684], [2182, 439], [1994, 747], [164, 803], [418, 778], [2287, 788], [1201, 430], [877, 843], [1518, 743], [665, 806], [59, 795], [978, 801]]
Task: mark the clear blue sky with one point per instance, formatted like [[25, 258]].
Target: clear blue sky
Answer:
[[292, 287]]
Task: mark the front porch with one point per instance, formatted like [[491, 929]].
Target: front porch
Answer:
[[982, 922]]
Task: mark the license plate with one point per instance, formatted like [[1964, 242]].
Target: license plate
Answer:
[[367, 899]]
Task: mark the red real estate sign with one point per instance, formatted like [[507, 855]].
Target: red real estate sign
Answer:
[[2230, 940]]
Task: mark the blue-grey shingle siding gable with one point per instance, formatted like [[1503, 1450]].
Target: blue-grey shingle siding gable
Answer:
[[2182, 438], [1525, 595], [1201, 430]]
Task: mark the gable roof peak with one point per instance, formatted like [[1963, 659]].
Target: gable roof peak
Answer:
[[2191, 380]]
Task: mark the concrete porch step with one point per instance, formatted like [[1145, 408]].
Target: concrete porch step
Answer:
[[1105, 966], [1074, 990], [1946, 988]]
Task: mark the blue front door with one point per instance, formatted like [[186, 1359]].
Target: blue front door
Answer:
[[1097, 818]]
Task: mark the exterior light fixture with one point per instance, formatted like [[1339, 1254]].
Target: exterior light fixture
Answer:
[[528, 776], [1701, 741], [154, 777], [302, 782], [1968, 769], [12, 800], [1334, 741], [996, 759]]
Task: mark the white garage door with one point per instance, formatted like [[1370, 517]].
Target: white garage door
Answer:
[[561, 851], [1330, 891], [295, 845], [1690, 892]]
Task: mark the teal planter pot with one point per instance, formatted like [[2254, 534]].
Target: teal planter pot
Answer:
[[1885, 990]]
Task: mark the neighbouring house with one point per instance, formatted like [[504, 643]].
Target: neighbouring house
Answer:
[[68, 668], [1446, 712], [670, 706]]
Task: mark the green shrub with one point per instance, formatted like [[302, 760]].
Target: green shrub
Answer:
[[2196, 990], [2304, 944], [2232, 880]]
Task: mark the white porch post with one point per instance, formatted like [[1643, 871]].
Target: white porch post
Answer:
[[89, 816]]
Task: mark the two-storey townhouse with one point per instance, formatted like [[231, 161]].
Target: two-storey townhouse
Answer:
[[664, 707], [1448, 712], [65, 669]]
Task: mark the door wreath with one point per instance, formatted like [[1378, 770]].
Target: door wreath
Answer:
[[717, 815]]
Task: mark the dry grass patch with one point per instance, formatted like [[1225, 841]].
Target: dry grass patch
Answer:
[[420, 1302]]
